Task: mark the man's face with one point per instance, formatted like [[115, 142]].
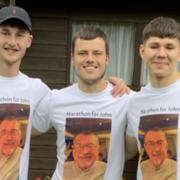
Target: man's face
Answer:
[[10, 137], [90, 60], [13, 44], [156, 147], [85, 151], [161, 56]]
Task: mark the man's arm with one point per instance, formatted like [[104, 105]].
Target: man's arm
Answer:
[[120, 88], [131, 148], [35, 132]]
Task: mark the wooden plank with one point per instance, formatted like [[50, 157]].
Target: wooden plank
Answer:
[[50, 37], [57, 86], [33, 63], [44, 140], [49, 24], [39, 50], [43, 151], [137, 58], [43, 163]]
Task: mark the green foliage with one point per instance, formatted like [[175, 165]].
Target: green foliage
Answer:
[[3, 3], [47, 178]]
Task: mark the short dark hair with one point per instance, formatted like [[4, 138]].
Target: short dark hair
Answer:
[[90, 33], [162, 27]]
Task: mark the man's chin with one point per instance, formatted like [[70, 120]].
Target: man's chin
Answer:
[[157, 164], [86, 165], [8, 153]]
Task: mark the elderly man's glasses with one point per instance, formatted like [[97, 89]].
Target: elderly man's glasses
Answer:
[[154, 143], [12, 132], [88, 146]]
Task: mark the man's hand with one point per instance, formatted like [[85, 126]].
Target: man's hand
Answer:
[[120, 88]]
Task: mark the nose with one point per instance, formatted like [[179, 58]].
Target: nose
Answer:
[[8, 136], [161, 52], [90, 56], [85, 150], [156, 148], [12, 40]]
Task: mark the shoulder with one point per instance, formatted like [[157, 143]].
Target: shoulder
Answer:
[[18, 152], [100, 164], [63, 91], [146, 165], [32, 81], [171, 162], [69, 164]]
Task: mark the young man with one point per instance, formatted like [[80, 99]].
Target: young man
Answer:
[[19, 94], [88, 104], [157, 105]]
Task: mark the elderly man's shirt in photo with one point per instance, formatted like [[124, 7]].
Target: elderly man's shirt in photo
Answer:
[[71, 112], [156, 110]]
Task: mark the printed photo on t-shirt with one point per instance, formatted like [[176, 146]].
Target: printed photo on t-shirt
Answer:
[[87, 145], [13, 125], [158, 140]]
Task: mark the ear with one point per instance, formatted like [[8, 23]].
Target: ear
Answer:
[[30, 38], [141, 51], [107, 59]]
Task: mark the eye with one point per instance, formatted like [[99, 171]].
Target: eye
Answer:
[[4, 33], [98, 53], [170, 46], [82, 53], [154, 46], [20, 34]]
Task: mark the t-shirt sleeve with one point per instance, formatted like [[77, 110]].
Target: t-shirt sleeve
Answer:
[[41, 116], [130, 125]]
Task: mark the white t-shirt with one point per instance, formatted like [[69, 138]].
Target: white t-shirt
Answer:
[[19, 97], [156, 108], [70, 110]]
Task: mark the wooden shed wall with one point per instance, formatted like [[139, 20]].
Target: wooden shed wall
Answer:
[[48, 57]]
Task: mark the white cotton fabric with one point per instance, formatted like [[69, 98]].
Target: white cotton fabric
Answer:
[[153, 101], [22, 89], [71, 102]]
